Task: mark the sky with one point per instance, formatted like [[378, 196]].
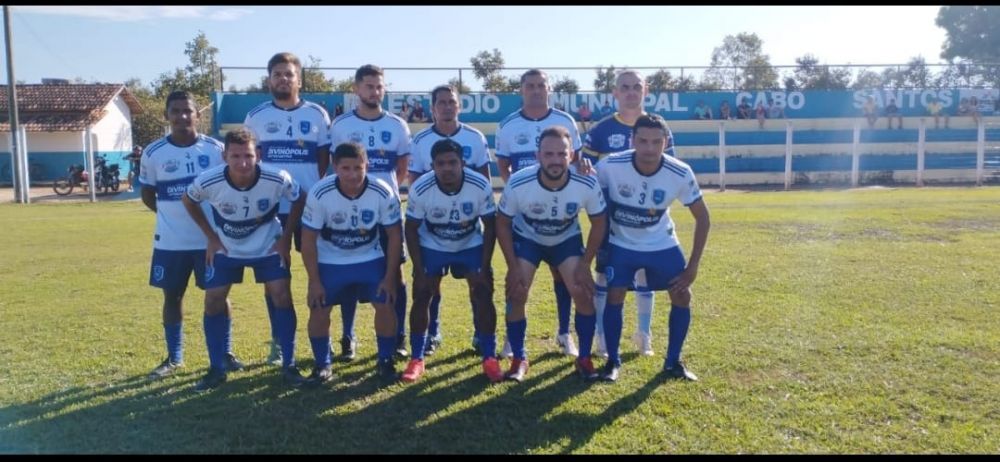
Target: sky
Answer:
[[115, 43]]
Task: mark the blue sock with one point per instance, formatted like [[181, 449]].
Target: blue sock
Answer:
[[564, 303], [644, 306], [386, 347], [613, 319], [417, 343], [475, 330], [215, 327], [488, 345], [680, 319], [515, 333], [435, 321], [286, 321], [321, 351], [585, 325], [270, 316], [401, 310], [175, 342], [227, 339], [347, 310]]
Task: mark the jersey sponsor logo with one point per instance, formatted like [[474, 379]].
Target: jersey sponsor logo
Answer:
[[522, 138], [571, 208], [367, 216], [537, 208], [466, 152], [171, 166], [227, 208], [263, 204], [356, 137], [284, 153], [338, 218], [203, 161], [174, 192], [633, 217], [452, 231], [386, 136], [658, 196], [438, 212], [273, 127], [348, 239], [467, 208], [158, 273], [305, 127], [546, 227], [626, 190], [616, 141]]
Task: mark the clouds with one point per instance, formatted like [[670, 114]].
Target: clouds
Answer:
[[140, 13]]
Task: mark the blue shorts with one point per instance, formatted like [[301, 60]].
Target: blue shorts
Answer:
[[438, 263], [553, 255], [297, 239], [355, 281], [226, 270], [171, 269], [661, 266], [383, 241]]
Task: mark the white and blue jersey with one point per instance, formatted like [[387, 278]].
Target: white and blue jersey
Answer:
[[449, 222], [386, 139], [517, 136], [610, 135], [246, 220], [475, 151], [639, 205], [289, 139], [547, 216], [348, 227], [170, 169]]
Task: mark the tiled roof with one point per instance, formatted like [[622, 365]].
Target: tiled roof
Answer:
[[57, 108]]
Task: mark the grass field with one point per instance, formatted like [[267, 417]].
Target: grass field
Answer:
[[859, 321]]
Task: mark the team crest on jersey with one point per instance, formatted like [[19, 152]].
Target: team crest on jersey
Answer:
[[522, 138], [171, 166], [367, 216], [467, 208], [273, 127], [658, 196], [571, 208], [338, 218], [616, 141], [466, 152], [158, 273], [626, 190], [386, 136], [356, 137], [537, 208], [209, 272], [438, 212], [227, 208], [203, 161], [304, 127], [263, 205]]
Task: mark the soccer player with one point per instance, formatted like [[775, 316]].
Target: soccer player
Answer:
[[245, 231], [609, 135], [292, 136], [538, 221], [386, 137], [516, 142], [169, 165], [445, 107], [450, 224], [344, 217], [640, 184]]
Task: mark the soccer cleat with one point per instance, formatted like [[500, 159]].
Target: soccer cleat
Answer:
[[602, 347], [274, 357], [401, 352], [292, 377], [609, 373], [432, 345], [678, 372], [319, 377], [585, 367], [517, 371], [414, 369], [233, 363], [167, 367], [386, 372], [565, 341], [211, 380], [507, 351], [491, 367], [347, 347], [643, 343]]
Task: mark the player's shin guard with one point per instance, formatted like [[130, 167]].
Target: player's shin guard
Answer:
[[215, 331], [321, 351], [286, 321], [417, 343], [585, 325], [564, 304], [516, 331], [386, 347], [434, 322], [644, 304], [347, 310], [600, 298], [175, 342], [270, 316], [401, 310], [613, 319], [680, 319]]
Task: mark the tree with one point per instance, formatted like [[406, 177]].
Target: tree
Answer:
[[203, 69], [741, 62], [563, 84], [461, 86], [147, 126], [810, 75], [866, 79], [972, 33], [313, 79], [663, 80], [487, 66], [605, 80]]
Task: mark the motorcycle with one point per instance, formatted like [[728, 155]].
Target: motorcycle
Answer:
[[105, 177]]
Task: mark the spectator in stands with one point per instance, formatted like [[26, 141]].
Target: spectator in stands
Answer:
[[761, 113], [891, 110], [974, 109], [584, 115], [605, 110], [405, 112], [966, 108], [338, 110], [935, 109], [776, 110], [725, 112], [743, 110], [418, 112], [702, 111], [869, 111]]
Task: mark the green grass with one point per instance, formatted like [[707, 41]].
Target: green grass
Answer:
[[859, 321]]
